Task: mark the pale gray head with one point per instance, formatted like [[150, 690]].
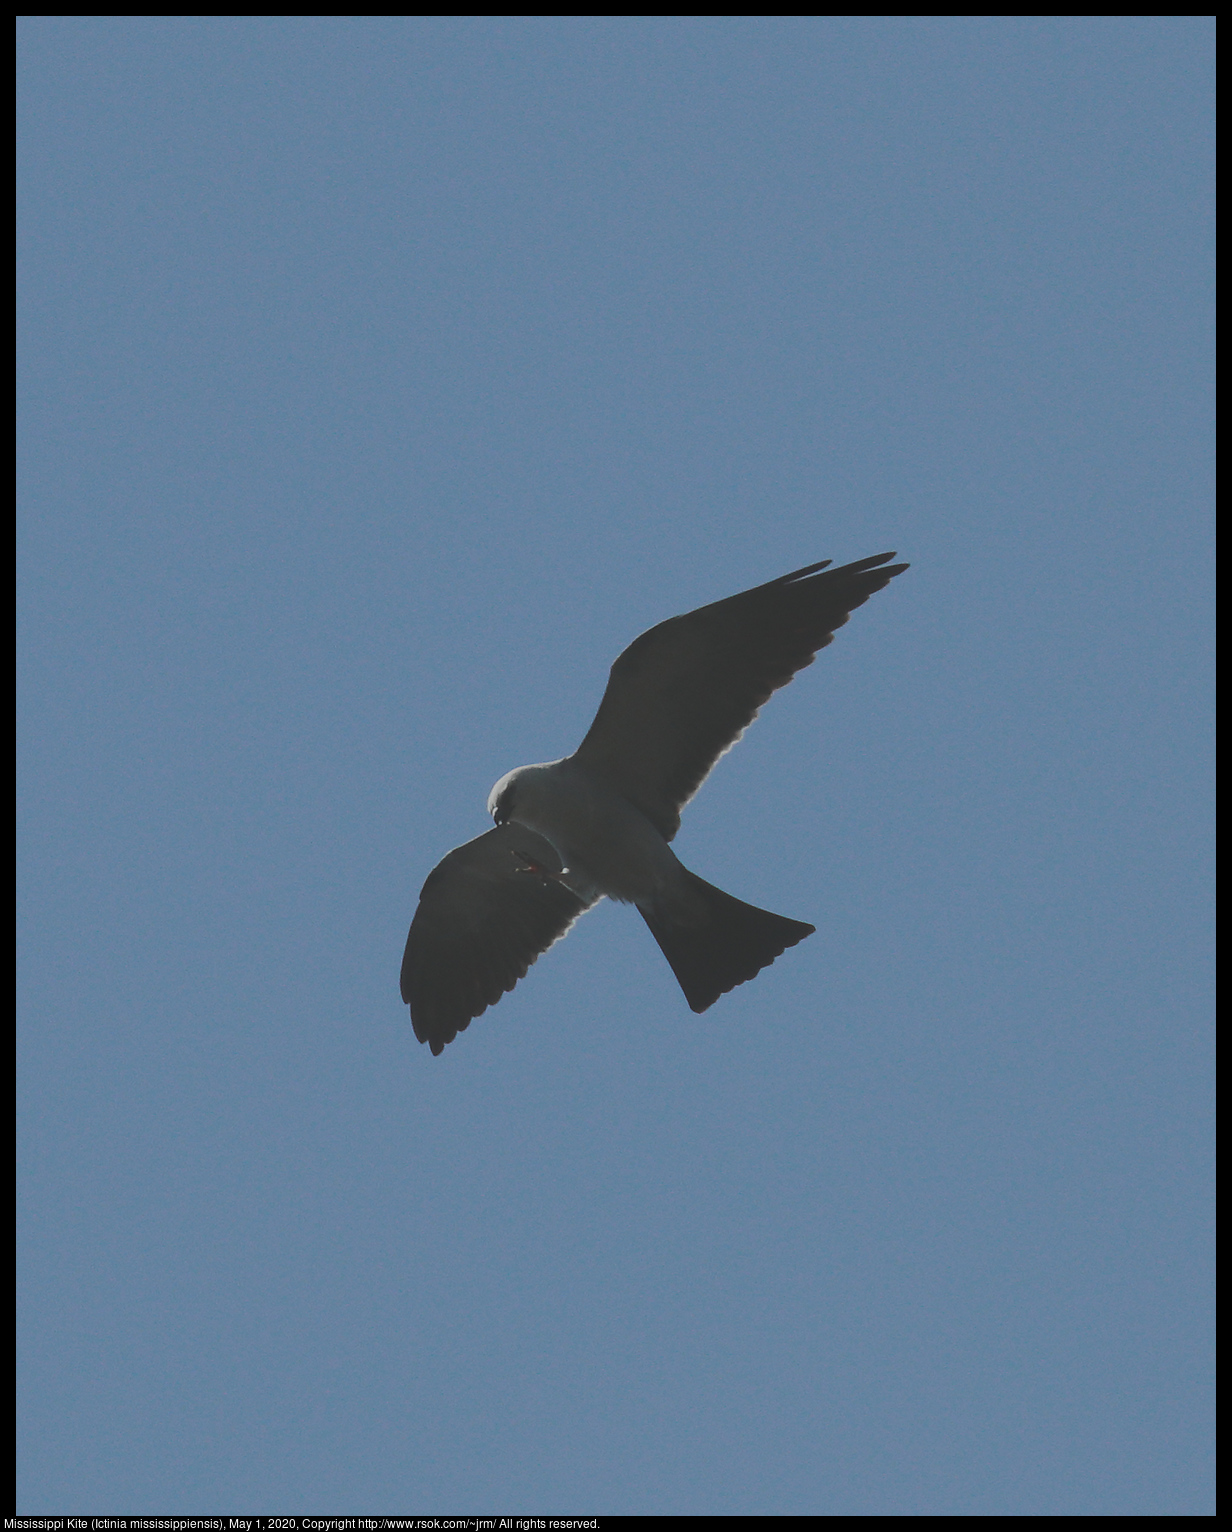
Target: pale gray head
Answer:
[[501, 798]]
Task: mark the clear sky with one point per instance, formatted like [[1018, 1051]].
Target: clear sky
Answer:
[[380, 380]]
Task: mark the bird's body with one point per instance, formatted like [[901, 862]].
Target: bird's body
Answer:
[[597, 823], [607, 845]]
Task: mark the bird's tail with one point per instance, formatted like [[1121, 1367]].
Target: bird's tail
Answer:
[[718, 942]]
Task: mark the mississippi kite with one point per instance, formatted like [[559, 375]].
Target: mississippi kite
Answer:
[[598, 822]]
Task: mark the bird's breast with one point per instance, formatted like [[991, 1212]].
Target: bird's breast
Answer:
[[603, 840]]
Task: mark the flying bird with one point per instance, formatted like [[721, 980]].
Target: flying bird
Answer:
[[599, 822]]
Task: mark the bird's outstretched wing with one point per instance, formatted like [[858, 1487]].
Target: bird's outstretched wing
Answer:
[[485, 914], [685, 691]]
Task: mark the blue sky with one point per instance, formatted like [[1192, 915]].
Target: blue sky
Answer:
[[379, 381]]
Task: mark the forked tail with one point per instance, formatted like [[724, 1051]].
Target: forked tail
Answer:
[[723, 943]]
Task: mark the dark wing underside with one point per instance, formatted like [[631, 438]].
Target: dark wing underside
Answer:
[[485, 914], [684, 692]]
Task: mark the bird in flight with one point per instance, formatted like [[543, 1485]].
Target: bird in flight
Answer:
[[599, 822]]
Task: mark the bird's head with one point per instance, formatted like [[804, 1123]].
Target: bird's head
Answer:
[[519, 792], [501, 798]]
